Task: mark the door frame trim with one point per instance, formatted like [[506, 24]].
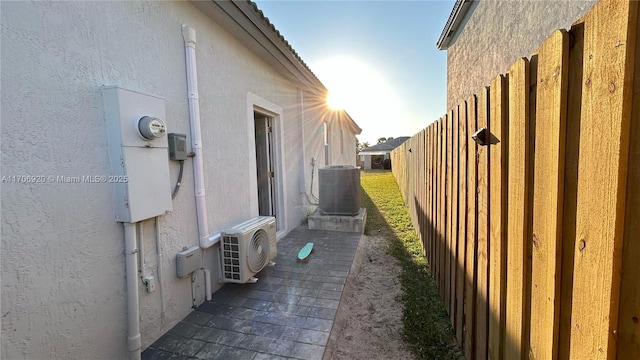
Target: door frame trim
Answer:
[[260, 105]]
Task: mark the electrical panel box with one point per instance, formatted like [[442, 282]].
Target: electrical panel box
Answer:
[[188, 261], [177, 146], [138, 152]]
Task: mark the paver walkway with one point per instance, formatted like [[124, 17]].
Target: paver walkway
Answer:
[[287, 314]]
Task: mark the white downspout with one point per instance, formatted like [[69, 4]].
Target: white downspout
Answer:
[[133, 312], [189, 35]]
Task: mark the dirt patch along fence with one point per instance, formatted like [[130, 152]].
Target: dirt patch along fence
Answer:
[[534, 239]]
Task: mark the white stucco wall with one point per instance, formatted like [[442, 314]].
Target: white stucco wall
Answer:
[[496, 34], [342, 146], [63, 272], [341, 141]]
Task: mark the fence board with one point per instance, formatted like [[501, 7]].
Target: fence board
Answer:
[[433, 202], [420, 189], [629, 328], [437, 157], [470, 257], [419, 186], [453, 266], [602, 176], [449, 206], [482, 298], [411, 179], [517, 231], [430, 198], [422, 186], [548, 199], [413, 142], [497, 225], [572, 143], [443, 204], [426, 221], [462, 218]]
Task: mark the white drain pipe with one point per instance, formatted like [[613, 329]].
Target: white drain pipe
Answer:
[[133, 309], [189, 35]]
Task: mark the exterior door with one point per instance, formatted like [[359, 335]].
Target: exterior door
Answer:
[[264, 163]]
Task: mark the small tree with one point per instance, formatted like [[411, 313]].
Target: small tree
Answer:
[[361, 146]]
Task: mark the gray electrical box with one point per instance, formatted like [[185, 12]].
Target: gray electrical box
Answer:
[[177, 146], [188, 261], [139, 165]]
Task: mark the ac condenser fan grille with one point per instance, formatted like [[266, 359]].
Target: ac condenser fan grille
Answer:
[[258, 251], [231, 257]]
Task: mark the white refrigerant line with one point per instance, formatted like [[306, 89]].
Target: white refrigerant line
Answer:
[[206, 241]]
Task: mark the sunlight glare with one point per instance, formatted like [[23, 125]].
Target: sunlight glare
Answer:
[[334, 101], [362, 90]]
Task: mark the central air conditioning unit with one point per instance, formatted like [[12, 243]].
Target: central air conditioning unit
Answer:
[[247, 248], [339, 190]]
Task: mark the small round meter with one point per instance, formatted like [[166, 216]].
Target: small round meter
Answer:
[[151, 127]]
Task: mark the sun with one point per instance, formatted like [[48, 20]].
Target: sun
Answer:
[[361, 88], [335, 101], [352, 84]]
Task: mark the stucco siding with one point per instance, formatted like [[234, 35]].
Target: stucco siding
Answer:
[[63, 272], [496, 33]]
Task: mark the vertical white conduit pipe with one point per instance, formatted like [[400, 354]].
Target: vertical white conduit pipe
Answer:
[[189, 35], [133, 312], [160, 255]]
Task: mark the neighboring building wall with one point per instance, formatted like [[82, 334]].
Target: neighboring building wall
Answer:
[[498, 33], [367, 162], [63, 271]]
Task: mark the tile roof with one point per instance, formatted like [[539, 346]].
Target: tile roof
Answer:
[[282, 38], [387, 145]]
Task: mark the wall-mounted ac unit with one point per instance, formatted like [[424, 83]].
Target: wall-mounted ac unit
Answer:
[[247, 248]]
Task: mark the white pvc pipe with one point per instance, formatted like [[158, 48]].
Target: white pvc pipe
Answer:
[[159, 270], [207, 283], [206, 241], [133, 315], [189, 35]]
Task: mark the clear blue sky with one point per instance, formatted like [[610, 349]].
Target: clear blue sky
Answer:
[[378, 57]]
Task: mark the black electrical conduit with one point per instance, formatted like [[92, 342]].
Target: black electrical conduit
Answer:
[[177, 187]]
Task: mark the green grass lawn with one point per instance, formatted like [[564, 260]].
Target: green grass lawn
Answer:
[[427, 329]]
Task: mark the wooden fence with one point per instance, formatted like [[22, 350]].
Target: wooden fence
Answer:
[[534, 240]]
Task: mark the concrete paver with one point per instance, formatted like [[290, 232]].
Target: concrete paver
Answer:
[[287, 314]]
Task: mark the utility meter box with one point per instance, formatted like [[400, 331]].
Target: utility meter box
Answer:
[[188, 261], [138, 150]]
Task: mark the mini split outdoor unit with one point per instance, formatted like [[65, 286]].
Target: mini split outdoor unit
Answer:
[[247, 248]]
